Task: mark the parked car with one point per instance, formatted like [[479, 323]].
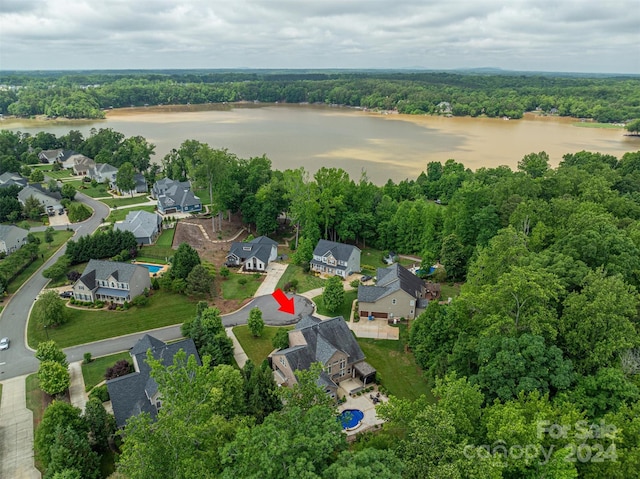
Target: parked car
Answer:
[[365, 278], [4, 344], [66, 294]]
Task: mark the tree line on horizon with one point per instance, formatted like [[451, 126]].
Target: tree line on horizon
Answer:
[[87, 95]]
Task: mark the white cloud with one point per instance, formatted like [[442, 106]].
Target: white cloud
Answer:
[[586, 35]]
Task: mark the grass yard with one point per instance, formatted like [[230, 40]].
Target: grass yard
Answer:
[[119, 215], [400, 374], [86, 325], [36, 398], [306, 281], [93, 373], [46, 249], [232, 289], [371, 259], [449, 291], [99, 191], [344, 310], [166, 238], [58, 175], [257, 349], [125, 201], [203, 194]]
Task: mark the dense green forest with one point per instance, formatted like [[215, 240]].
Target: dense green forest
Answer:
[[88, 94], [536, 364]]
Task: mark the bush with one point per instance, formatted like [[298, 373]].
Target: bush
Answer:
[[140, 301], [121, 368], [87, 358], [100, 392], [355, 283]]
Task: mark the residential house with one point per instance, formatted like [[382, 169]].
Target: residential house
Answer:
[[145, 226], [54, 156], [102, 172], [111, 281], [328, 342], [254, 255], [335, 258], [9, 179], [140, 185], [12, 238], [137, 392], [50, 201], [398, 293], [69, 159], [175, 197], [82, 164]]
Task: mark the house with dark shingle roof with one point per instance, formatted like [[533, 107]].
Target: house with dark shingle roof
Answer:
[[9, 179], [337, 259], [175, 197], [12, 238], [253, 255], [50, 201], [328, 342], [111, 281], [137, 392], [398, 293], [102, 172], [145, 226]]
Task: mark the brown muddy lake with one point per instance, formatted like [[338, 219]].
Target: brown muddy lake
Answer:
[[386, 146]]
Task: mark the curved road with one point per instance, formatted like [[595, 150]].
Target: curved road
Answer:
[[18, 359]]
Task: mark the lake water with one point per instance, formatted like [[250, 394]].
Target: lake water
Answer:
[[385, 146]]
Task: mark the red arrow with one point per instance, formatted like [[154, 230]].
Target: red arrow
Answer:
[[286, 304]]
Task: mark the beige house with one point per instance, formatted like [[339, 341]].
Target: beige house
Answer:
[[111, 281], [398, 293], [330, 343]]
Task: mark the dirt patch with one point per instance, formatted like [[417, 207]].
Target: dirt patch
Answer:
[[213, 247]]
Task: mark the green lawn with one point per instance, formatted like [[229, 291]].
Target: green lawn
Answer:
[[257, 349], [397, 369], [35, 398], [125, 201], [232, 289], [46, 249], [449, 291], [344, 310], [306, 281], [166, 238], [58, 174], [371, 259], [93, 373], [119, 215], [203, 194], [99, 191], [85, 325]]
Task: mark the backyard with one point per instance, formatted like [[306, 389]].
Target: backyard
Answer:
[[87, 325], [257, 349], [306, 281], [345, 308], [121, 214], [93, 372], [125, 201], [233, 287]]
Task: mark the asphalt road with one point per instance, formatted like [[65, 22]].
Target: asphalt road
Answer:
[[18, 359]]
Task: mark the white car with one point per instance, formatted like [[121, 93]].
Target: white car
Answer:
[[4, 343]]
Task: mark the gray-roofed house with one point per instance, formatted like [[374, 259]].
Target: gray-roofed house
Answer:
[[175, 197], [102, 172], [145, 226], [81, 164], [337, 259], [111, 281], [254, 255], [52, 156], [329, 342], [137, 392], [9, 179], [50, 201], [12, 238], [398, 293], [140, 185]]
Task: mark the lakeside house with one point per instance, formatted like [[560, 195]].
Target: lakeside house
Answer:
[[336, 259], [254, 255], [111, 281], [175, 197], [145, 226]]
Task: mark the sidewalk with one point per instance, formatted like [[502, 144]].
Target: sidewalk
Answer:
[[77, 391], [238, 353], [16, 432]]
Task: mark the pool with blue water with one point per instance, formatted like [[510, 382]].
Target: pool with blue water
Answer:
[[351, 418]]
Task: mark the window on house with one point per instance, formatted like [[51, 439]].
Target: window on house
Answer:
[[393, 301], [328, 369], [343, 366], [282, 361]]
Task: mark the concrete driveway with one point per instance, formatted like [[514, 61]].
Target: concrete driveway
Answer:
[[274, 273]]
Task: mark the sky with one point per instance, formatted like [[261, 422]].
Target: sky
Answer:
[[590, 36]]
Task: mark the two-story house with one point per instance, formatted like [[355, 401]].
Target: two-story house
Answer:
[[175, 197], [337, 259], [103, 172], [328, 342], [137, 392], [12, 238], [253, 255], [111, 281], [398, 293]]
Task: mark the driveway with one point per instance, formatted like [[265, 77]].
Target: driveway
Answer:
[[270, 314], [274, 273]]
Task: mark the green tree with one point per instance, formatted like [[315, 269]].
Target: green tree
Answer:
[[71, 451], [209, 335], [78, 212], [53, 377], [58, 269], [58, 414], [32, 208], [37, 176], [261, 391], [125, 178], [199, 280], [281, 339], [49, 310], [255, 322], [365, 464], [453, 257], [633, 126], [184, 260], [48, 234], [534, 164], [333, 294], [49, 351], [68, 191], [100, 424]]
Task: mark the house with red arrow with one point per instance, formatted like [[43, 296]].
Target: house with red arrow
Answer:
[[330, 343]]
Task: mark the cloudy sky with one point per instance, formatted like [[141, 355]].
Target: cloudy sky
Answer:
[[541, 35]]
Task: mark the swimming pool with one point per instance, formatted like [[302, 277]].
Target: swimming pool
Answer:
[[351, 418], [153, 268]]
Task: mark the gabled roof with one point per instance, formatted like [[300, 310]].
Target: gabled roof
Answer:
[[394, 278], [323, 339], [8, 179], [142, 224], [102, 270], [44, 197], [259, 247], [130, 394], [175, 193], [340, 251], [9, 232]]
